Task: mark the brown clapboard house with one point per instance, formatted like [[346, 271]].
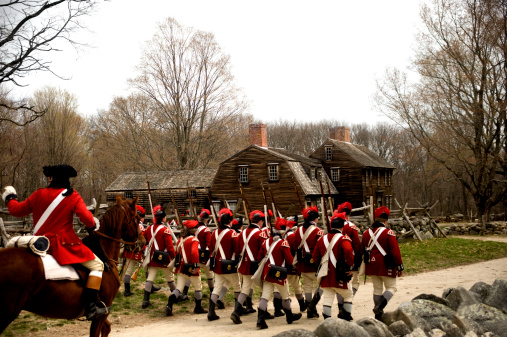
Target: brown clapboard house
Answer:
[[357, 172]]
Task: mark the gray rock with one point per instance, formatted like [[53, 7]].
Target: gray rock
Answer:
[[454, 331], [466, 325], [431, 297], [438, 316], [482, 289], [374, 327], [498, 295], [437, 333], [335, 327], [471, 334], [413, 322], [417, 333], [489, 318], [295, 333], [460, 297], [399, 328]]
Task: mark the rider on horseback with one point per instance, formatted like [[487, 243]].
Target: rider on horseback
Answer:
[[53, 208]]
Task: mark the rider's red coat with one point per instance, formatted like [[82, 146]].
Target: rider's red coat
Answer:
[[65, 245]]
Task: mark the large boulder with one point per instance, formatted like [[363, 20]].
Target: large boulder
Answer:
[[295, 333], [431, 297], [489, 318], [336, 327], [413, 322], [498, 295], [482, 289], [399, 328], [374, 327], [466, 325], [438, 316], [417, 333], [460, 297]]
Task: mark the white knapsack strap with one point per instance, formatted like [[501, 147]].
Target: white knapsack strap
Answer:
[[305, 237], [374, 241], [197, 235], [270, 251], [329, 248], [245, 246], [48, 211]]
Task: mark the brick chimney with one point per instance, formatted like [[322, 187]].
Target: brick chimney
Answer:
[[341, 133], [258, 135]]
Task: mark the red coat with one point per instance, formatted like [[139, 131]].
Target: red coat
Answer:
[[387, 241], [65, 245], [228, 244], [254, 244], [204, 236], [133, 252], [191, 247], [311, 241], [342, 251], [353, 233], [163, 240], [281, 256], [290, 236]]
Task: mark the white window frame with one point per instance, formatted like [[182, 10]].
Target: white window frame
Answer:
[[243, 173], [129, 194], [335, 177], [329, 153], [273, 172], [232, 205]]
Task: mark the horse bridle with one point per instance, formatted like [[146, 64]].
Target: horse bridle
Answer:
[[127, 243]]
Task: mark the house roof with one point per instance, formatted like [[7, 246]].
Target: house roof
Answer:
[[308, 185], [361, 154], [163, 180]]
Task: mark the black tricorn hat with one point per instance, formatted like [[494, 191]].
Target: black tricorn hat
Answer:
[[59, 171]]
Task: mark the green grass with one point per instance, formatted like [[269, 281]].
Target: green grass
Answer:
[[417, 257]]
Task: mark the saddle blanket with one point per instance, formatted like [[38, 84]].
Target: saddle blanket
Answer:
[[54, 271]]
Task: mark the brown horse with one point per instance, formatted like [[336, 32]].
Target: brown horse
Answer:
[[24, 287]]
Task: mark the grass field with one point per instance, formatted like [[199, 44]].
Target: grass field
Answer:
[[418, 257]]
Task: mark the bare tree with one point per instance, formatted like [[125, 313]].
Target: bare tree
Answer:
[[188, 78], [457, 110], [29, 30]]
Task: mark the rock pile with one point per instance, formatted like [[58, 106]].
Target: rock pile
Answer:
[[478, 312], [475, 228]]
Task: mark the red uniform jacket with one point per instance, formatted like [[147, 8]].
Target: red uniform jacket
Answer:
[[189, 245], [353, 233], [342, 252], [163, 240], [254, 244], [280, 255], [290, 236], [204, 236], [387, 241], [228, 244], [311, 241], [133, 252], [64, 244]]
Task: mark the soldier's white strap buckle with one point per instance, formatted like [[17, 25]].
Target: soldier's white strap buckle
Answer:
[[330, 247], [375, 243], [246, 247], [48, 211], [305, 237]]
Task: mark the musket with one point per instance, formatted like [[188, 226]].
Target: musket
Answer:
[[324, 208], [330, 199], [212, 208], [297, 192], [149, 198], [191, 202], [276, 210], [265, 206], [245, 201], [180, 223]]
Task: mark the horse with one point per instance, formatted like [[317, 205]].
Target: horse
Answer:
[[23, 285]]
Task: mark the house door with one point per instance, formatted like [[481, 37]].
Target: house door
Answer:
[[379, 199]]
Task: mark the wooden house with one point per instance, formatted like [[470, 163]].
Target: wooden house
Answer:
[[280, 173], [185, 186], [357, 172]]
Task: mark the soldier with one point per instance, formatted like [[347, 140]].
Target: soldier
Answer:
[[133, 255], [223, 260], [187, 268], [353, 233], [382, 258], [334, 251], [249, 243], [53, 208], [293, 277], [304, 243], [203, 234], [274, 274], [160, 242]]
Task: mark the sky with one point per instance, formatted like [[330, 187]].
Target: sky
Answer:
[[294, 60]]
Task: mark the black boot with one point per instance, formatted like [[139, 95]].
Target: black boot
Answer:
[[249, 306], [238, 308], [378, 310], [302, 305], [340, 311], [277, 303], [184, 295], [198, 308], [154, 288], [267, 315], [290, 317], [212, 316], [347, 315], [311, 311], [127, 292], [169, 307], [325, 316], [261, 323], [91, 310], [220, 305], [146, 300]]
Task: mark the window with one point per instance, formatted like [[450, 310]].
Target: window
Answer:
[[273, 172], [312, 173], [192, 194], [386, 174], [378, 177], [367, 177], [316, 176], [335, 173], [389, 174], [243, 174], [129, 195], [308, 202], [216, 206], [232, 205], [329, 153]]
